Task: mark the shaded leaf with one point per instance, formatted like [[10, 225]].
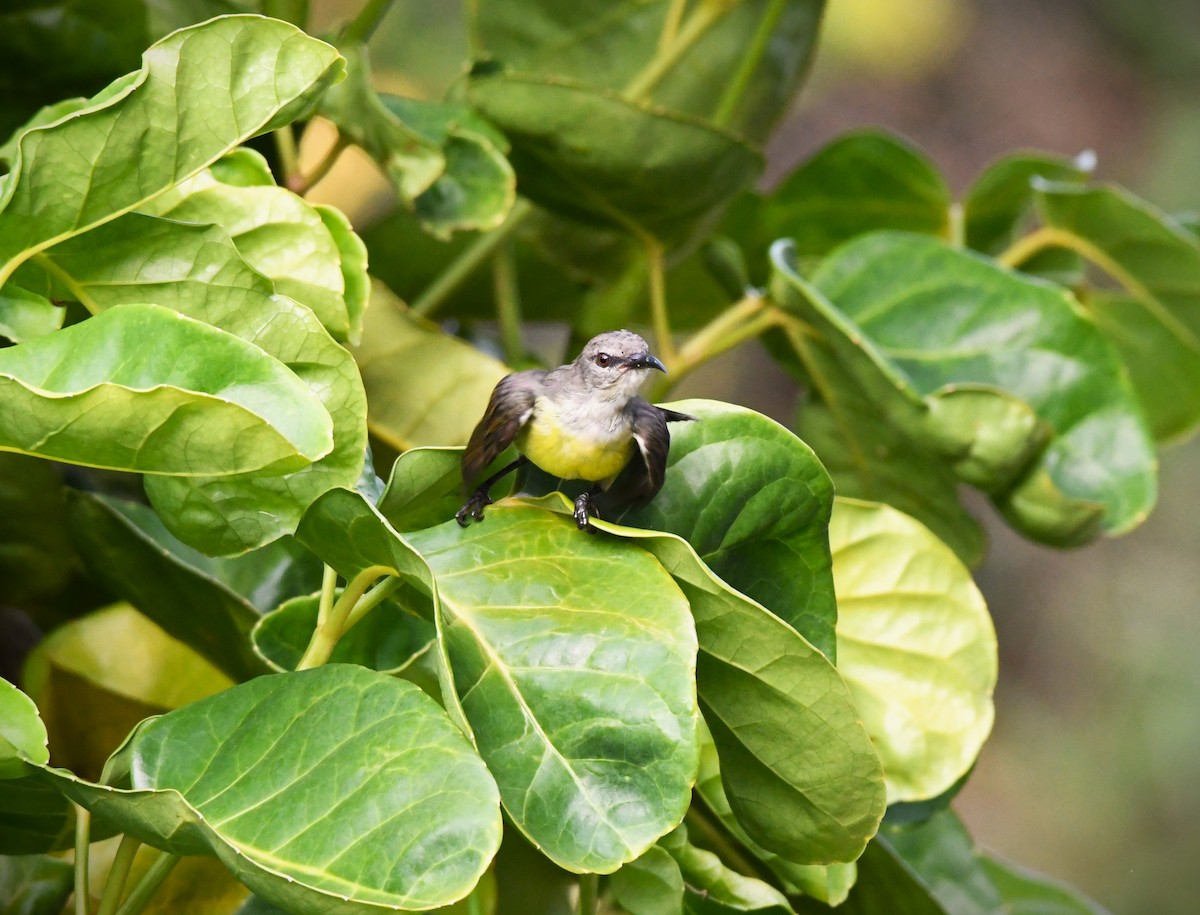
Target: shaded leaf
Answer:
[[25, 315], [332, 790], [36, 558], [915, 645], [425, 488], [198, 402], [424, 387], [35, 884], [1155, 327], [708, 878], [1028, 893], [650, 885], [201, 91], [580, 695]]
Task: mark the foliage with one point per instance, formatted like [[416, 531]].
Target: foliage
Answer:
[[315, 692]]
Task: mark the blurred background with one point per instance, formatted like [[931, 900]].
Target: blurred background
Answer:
[[1090, 775]]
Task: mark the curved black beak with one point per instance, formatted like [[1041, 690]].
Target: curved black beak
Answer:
[[645, 361]]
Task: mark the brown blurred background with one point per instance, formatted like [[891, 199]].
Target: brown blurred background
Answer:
[[1091, 774]]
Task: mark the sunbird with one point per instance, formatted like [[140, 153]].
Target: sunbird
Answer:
[[580, 421]]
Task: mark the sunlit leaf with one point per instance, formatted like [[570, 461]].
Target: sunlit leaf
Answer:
[[25, 315]]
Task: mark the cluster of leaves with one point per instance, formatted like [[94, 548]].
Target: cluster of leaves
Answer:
[[314, 677]]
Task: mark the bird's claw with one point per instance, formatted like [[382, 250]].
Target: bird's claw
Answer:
[[473, 508], [584, 509]]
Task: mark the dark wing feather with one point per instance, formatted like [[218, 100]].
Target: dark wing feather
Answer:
[[673, 417], [643, 478], [508, 409]]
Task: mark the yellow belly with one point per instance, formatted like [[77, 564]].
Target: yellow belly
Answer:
[[571, 457]]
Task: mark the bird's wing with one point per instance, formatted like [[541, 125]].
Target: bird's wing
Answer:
[[508, 409], [643, 478], [675, 417]]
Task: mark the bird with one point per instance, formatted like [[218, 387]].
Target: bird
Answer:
[[581, 421]]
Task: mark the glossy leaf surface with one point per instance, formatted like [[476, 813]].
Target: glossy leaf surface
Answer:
[[915, 645], [198, 402]]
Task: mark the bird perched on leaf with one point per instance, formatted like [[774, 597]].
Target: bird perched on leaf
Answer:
[[581, 421]]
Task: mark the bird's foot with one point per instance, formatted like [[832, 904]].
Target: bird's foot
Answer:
[[584, 509], [473, 508]]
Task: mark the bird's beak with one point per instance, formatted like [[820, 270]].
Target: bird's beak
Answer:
[[645, 361]]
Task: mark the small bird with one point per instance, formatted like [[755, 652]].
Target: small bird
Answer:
[[581, 421]]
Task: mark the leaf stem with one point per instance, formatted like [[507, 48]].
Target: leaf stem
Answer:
[[329, 579], [589, 894], [302, 184], [469, 260], [362, 26], [657, 281], [289, 154], [118, 874], [1026, 247], [671, 24], [748, 63], [744, 321], [508, 302], [687, 35], [148, 884], [370, 601], [335, 623], [83, 830]]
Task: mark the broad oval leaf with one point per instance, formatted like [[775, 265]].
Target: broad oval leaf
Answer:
[[886, 320], [199, 401], [334, 790], [754, 502], [798, 767], [591, 153], [200, 92], [1155, 327], [573, 660], [915, 645]]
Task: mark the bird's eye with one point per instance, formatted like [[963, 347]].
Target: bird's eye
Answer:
[[603, 359]]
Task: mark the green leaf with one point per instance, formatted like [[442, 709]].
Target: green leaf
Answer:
[[22, 733], [1000, 202], [25, 315], [424, 387], [741, 67], [707, 876], [425, 488], [34, 816], [97, 676], [1027, 893], [36, 558], [275, 231], [208, 604], [771, 700], [1020, 361], [592, 154], [573, 660], [199, 401], [201, 92], [35, 884], [385, 640], [1155, 327], [649, 885], [915, 645], [862, 181], [754, 502], [331, 790]]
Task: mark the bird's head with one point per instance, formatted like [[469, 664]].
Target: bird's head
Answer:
[[617, 361]]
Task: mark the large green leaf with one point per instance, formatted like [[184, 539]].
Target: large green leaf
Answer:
[[738, 62], [200, 401], [35, 884], [798, 767], [336, 790], [201, 91], [1156, 326], [754, 502], [591, 153], [209, 604], [1018, 362], [915, 645], [424, 387], [573, 661], [274, 230]]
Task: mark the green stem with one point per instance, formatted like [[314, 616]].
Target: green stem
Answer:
[[329, 579], [150, 882], [657, 281], [83, 830], [589, 894], [469, 260], [671, 24], [370, 601], [1026, 247], [508, 302], [118, 874], [330, 629], [289, 154], [302, 184], [363, 26], [688, 34], [749, 62], [744, 321]]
